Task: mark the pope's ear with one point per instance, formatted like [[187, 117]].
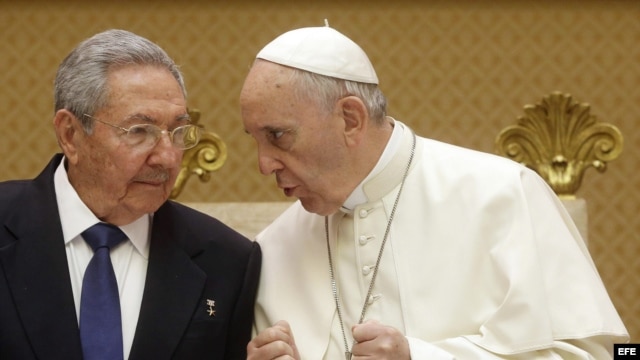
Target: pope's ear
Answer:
[[355, 116], [67, 129]]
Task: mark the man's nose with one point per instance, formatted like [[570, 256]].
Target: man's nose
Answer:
[[166, 153], [268, 164]]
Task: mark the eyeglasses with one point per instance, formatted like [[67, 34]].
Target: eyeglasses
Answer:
[[147, 135]]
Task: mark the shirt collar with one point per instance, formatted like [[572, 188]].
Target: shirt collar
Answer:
[[76, 217]]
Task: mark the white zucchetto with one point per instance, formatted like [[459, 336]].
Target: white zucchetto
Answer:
[[321, 50]]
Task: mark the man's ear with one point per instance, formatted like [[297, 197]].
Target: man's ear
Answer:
[[68, 132], [356, 118]]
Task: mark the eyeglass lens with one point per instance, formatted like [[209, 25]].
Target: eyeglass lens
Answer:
[[183, 137]]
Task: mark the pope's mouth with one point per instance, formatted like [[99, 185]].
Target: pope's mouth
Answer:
[[288, 191]]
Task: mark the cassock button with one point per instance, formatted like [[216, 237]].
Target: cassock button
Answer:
[[366, 270], [364, 239], [363, 213]]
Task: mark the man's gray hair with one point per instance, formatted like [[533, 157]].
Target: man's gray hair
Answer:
[[81, 81], [325, 91]]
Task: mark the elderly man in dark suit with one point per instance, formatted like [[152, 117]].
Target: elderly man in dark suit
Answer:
[[165, 281]]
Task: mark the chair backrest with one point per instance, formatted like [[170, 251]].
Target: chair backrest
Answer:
[[560, 139], [247, 218]]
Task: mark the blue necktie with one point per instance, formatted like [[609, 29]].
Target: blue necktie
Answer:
[[100, 321]]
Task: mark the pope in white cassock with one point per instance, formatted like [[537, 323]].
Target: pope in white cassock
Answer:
[[402, 247]]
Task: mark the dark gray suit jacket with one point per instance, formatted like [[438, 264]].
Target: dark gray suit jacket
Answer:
[[192, 258]]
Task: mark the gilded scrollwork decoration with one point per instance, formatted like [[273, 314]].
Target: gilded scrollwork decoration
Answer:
[[203, 159], [560, 139]]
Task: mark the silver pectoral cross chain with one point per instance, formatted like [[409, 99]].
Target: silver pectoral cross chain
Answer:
[[347, 353]]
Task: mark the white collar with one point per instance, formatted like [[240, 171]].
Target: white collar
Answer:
[[76, 217], [358, 195]]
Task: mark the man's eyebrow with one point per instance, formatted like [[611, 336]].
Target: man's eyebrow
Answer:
[[140, 116], [184, 117], [151, 119], [272, 128], [266, 128]]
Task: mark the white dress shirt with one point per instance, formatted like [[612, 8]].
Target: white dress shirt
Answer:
[[129, 259]]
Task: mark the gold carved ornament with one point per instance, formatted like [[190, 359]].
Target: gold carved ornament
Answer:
[[560, 139], [208, 156]]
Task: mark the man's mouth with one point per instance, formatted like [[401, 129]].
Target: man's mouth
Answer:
[[151, 183], [158, 178], [288, 190]]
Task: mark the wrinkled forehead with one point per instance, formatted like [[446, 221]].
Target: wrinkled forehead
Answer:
[[270, 101], [267, 81]]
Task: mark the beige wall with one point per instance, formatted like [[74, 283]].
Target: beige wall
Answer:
[[457, 71]]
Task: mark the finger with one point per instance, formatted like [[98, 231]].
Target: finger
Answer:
[[366, 331], [375, 340], [275, 342], [280, 331], [277, 349], [283, 325]]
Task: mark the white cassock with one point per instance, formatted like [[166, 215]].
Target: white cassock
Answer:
[[481, 262]]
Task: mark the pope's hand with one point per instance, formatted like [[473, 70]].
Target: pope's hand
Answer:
[[275, 342], [377, 341]]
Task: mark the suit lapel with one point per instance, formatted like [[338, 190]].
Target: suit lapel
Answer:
[[172, 290], [37, 272]]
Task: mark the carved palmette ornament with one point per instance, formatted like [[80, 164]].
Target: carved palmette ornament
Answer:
[[560, 139]]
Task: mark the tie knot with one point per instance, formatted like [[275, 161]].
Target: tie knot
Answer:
[[103, 235]]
